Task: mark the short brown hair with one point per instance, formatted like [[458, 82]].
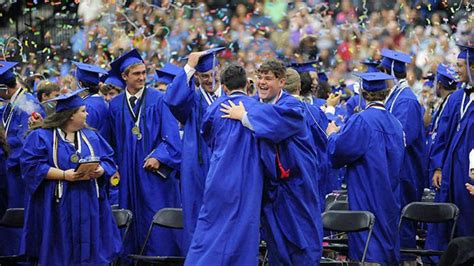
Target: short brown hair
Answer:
[[372, 96], [46, 87], [293, 81], [276, 67]]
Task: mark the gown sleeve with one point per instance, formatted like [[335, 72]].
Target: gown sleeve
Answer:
[[409, 117], [276, 122], [350, 144], [440, 142], [34, 160], [169, 149], [180, 97]]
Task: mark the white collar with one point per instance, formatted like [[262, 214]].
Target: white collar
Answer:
[[207, 95], [138, 94]]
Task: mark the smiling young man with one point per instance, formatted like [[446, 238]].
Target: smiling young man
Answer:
[[189, 103], [455, 141], [291, 216], [146, 140]]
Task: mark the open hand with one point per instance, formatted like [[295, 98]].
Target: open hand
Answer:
[[193, 58], [232, 111]]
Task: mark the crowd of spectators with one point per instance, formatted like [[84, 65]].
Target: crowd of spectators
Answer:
[[339, 34]]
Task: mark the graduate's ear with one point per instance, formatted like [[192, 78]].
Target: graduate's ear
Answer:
[[226, 90], [282, 82], [124, 76]]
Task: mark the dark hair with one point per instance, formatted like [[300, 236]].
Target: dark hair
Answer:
[[234, 77], [56, 119], [324, 89], [11, 83], [46, 87], [276, 67], [398, 75], [105, 88], [306, 82], [91, 87], [372, 96]]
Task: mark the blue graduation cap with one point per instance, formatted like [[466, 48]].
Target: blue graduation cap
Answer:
[[371, 65], [68, 101], [429, 80], [167, 73], [394, 60], [6, 74], [467, 53], [303, 67], [115, 81], [88, 73], [446, 75], [208, 60], [130, 58], [373, 81]]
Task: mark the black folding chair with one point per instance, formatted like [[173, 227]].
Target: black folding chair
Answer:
[[14, 218], [339, 195], [123, 219], [168, 218], [429, 212], [338, 205], [349, 222]]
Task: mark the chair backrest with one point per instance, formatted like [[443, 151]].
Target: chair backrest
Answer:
[[339, 195], [13, 217], [123, 217], [348, 221], [338, 205], [166, 217], [169, 217], [430, 212]]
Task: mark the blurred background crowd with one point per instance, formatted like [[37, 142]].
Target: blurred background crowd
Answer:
[[46, 36]]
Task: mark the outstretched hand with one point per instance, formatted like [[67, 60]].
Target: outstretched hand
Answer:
[[232, 111]]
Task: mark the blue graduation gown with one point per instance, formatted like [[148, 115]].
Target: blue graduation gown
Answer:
[[189, 106], [406, 108], [20, 110], [371, 145], [78, 228], [354, 102], [291, 220], [227, 229], [97, 110], [318, 124], [24, 104], [9, 242], [454, 162], [435, 124], [142, 191]]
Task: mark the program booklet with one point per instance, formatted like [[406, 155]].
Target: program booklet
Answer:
[[86, 167]]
